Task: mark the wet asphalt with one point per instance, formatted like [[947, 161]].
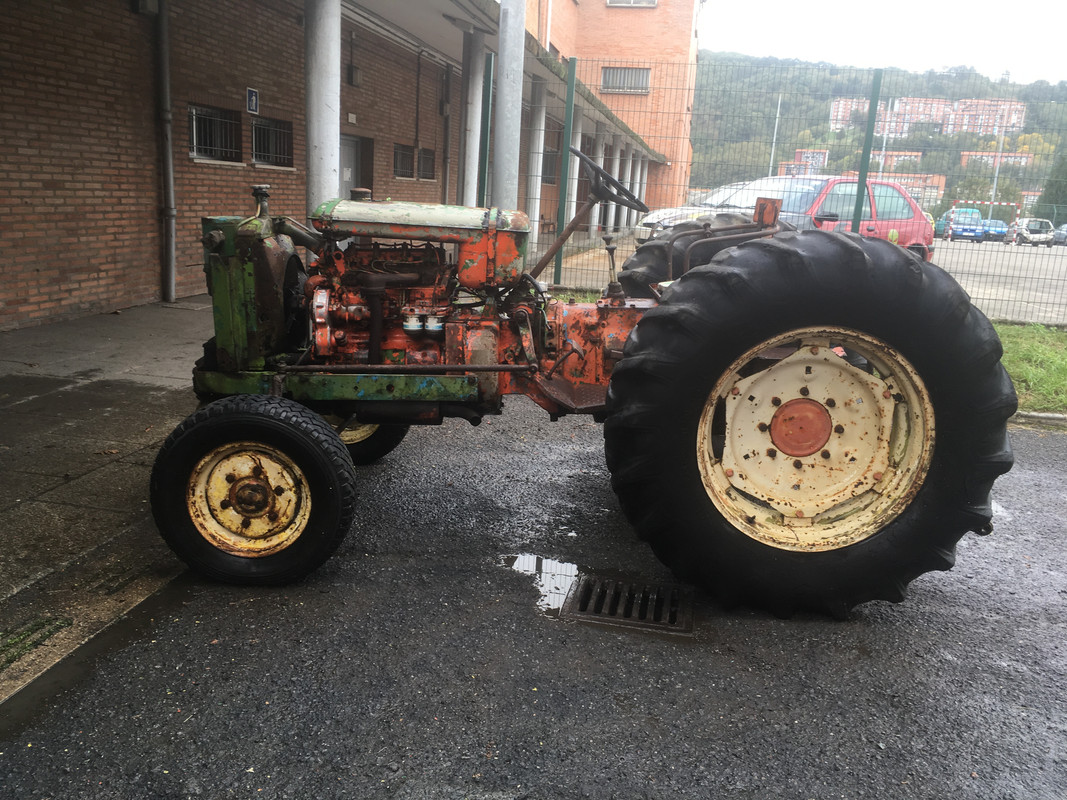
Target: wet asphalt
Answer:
[[419, 662]]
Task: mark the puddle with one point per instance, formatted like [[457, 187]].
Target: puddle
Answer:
[[553, 579]]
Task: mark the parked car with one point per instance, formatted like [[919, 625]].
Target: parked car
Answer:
[[1059, 236], [699, 205], [816, 202], [1031, 231], [960, 223], [995, 230]]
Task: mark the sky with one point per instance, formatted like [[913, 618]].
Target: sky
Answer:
[[910, 34]]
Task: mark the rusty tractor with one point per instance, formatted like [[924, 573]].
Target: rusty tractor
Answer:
[[792, 419]]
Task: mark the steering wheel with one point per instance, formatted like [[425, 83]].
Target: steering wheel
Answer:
[[606, 187]]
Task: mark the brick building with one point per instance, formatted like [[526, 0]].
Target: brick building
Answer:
[[84, 139]]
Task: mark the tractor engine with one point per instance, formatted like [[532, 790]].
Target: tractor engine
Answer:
[[374, 303]]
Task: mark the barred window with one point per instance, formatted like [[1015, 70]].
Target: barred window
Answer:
[[646, 3], [625, 80], [214, 133], [272, 142], [427, 164], [403, 161]]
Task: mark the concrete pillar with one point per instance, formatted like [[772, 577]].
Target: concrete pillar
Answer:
[[507, 116], [598, 157], [473, 78], [535, 156], [642, 183], [610, 209], [576, 166], [322, 88], [627, 180]]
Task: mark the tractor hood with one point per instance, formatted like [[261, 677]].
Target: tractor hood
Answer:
[[423, 221]]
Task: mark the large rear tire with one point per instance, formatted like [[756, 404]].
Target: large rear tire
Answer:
[[809, 422], [253, 490]]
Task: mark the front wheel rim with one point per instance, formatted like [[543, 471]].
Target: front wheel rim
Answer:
[[802, 450], [248, 499]]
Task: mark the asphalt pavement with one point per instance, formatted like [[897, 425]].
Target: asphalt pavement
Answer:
[[428, 657]]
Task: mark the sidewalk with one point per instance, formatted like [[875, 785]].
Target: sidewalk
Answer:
[[84, 406]]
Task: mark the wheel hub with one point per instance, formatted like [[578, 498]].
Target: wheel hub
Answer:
[[249, 499], [816, 453], [800, 427]]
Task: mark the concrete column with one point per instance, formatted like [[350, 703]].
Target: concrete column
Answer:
[[322, 88], [642, 183], [535, 156], [610, 209], [598, 156], [576, 165], [473, 77], [507, 116], [627, 180]]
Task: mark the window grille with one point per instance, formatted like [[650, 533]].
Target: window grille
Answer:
[[631, 3], [403, 161], [427, 164], [625, 80], [214, 133], [272, 142]]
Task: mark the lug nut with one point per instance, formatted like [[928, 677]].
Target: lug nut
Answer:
[[839, 428], [798, 463], [830, 402], [804, 391], [825, 454], [771, 452], [776, 401], [762, 427]]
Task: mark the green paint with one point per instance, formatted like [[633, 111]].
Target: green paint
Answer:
[[305, 387]]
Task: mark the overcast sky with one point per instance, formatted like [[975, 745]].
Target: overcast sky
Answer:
[[916, 35]]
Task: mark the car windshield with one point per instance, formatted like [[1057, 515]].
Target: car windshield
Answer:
[[718, 197], [797, 194], [968, 216]]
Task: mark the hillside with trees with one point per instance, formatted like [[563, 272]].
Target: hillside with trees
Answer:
[[750, 114]]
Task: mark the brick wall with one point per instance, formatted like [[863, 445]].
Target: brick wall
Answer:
[[220, 48], [393, 83], [79, 196]]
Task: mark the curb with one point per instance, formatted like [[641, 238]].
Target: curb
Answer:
[[1040, 417]]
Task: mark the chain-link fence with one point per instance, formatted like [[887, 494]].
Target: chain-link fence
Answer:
[[966, 149]]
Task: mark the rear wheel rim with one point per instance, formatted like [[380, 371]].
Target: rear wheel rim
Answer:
[[802, 450], [248, 499]]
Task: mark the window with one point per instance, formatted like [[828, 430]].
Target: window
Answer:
[[841, 200], [403, 161], [625, 80], [632, 3], [891, 204], [406, 160], [272, 142], [427, 164], [214, 133]]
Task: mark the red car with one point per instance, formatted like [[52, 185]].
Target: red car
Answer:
[[828, 203]]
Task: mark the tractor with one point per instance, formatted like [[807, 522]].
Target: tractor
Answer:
[[793, 420]]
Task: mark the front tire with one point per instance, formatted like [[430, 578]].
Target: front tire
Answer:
[[253, 490], [809, 422]]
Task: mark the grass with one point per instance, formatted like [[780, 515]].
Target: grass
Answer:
[[1036, 359]]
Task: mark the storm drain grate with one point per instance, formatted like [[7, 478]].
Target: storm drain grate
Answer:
[[633, 605]]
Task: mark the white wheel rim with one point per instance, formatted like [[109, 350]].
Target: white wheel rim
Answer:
[[803, 451], [248, 499]]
